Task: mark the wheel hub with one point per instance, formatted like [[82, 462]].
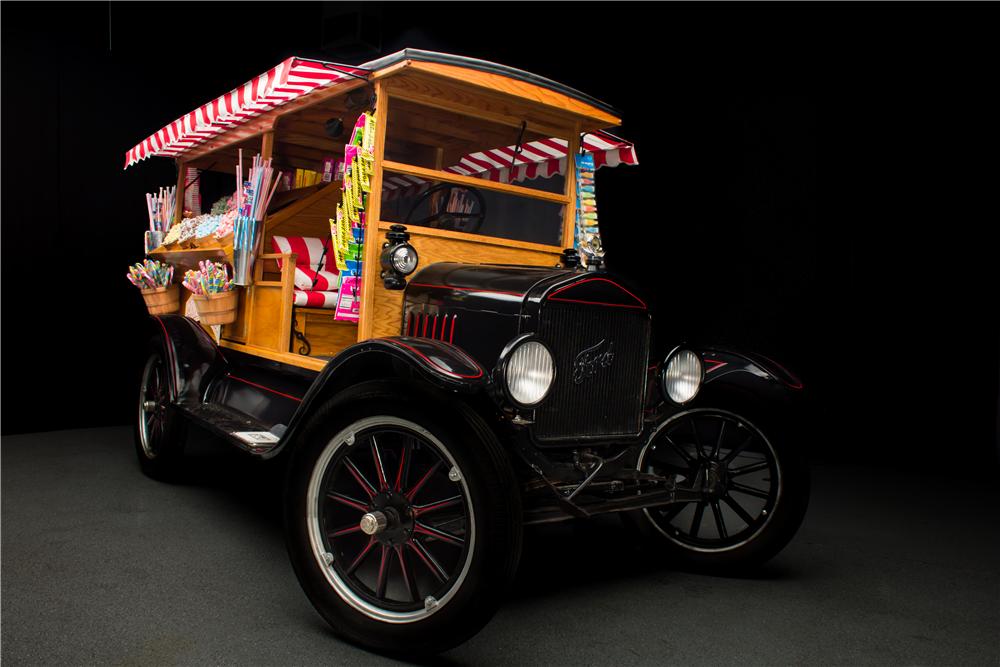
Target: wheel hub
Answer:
[[390, 520]]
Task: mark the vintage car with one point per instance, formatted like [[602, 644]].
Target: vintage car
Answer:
[[496, 375]]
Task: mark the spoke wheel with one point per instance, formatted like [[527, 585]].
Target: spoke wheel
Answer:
[[392, 522], [754, 489], [402, 518], [159, 431], [153, 398]]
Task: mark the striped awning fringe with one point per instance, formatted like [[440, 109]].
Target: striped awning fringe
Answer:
[[291, 79], [544, 158]]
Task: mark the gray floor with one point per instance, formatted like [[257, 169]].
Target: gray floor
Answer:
[[103, 566]]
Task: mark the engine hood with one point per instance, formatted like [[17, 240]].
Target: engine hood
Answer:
[[481, 307]]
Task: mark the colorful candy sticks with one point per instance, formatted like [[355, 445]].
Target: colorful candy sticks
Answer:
[[212, 278], [150, 274]]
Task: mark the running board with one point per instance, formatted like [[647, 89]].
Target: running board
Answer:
[[234, 426]]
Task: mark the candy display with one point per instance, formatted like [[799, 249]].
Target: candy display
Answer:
[[211, 278], [347, 228], [252, 197], [586, 202], [161, 208], [150, 273]]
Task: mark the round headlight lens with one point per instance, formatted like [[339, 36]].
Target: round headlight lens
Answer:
[[682, 376], [404, 259], [529, 373]]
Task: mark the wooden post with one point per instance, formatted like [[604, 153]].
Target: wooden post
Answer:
[[569, 222], [181, 179], [267, 144], [373, 244]]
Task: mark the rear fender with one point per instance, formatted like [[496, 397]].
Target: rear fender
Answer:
[[192, 356]]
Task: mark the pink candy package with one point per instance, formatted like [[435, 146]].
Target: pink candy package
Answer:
[[348, 301]]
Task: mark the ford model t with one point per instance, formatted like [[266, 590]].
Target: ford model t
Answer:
[[423, 331]]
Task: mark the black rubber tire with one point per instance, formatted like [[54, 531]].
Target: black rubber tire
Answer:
[[496, 506], [165, 463], [786, 517]]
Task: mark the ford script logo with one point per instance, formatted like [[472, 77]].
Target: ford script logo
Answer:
[[592, 359]]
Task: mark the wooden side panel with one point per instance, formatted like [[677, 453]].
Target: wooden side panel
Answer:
[[308, 217], [237, 331], [386, 315], [326, 336], [265, 330]]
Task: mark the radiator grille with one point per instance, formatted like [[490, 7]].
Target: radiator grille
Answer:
[[601, 354]]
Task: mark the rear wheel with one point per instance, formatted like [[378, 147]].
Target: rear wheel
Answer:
[[404, 533], [159, 431], [755, 489]]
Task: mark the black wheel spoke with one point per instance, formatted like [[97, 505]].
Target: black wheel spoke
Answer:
[[409, 581], [347, 530], [696, 520], [347, 500], [439, 505], [749, 490], [361, 556], [735, 452], [430, 531], [404, 466], [427, 559], [718, 443], [736, 507], [356, 474], [383, 485], [697, 439], [383, 574], [423, 480], [680, 451], [746, 470], [720, 524]]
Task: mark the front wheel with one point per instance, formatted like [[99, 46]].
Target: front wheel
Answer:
[[404, 533], [755, 489]]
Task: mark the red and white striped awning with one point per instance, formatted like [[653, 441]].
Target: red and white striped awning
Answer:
[[543, 158], [291, 79]]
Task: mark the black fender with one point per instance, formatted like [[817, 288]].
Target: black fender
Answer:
[[747, 379], [192, 356], [421, 362]]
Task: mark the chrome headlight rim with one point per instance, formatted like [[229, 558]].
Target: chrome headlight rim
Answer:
[[503, 364], [672, 357], [411, 252]]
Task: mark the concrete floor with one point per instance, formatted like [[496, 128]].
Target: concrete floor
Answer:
[[103, 566]]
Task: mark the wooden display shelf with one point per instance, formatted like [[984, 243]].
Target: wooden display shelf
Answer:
[[189, 257]]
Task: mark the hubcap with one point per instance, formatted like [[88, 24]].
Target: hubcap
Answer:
[[373, 523], [733, 465], [388, 525]]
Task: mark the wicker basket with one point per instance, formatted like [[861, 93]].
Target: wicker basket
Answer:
[[161, 300], [217, 308]]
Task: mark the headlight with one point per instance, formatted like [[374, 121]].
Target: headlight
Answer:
[[682, 376], [528, 372], [404, 259]]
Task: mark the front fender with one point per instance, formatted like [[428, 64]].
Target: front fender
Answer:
[[745, 378], [418, 361]]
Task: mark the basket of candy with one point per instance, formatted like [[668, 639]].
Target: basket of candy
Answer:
[[154, 282], [213, 292]]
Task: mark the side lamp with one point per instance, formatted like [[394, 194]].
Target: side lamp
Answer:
[[399, 259]]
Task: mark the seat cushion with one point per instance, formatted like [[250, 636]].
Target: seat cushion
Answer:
[[307, 299], [316, 281], [309, 250]]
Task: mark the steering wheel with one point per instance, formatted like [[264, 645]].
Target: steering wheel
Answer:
[[438, 197]]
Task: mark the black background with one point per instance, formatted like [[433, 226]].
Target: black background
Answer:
[[815, 184]]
